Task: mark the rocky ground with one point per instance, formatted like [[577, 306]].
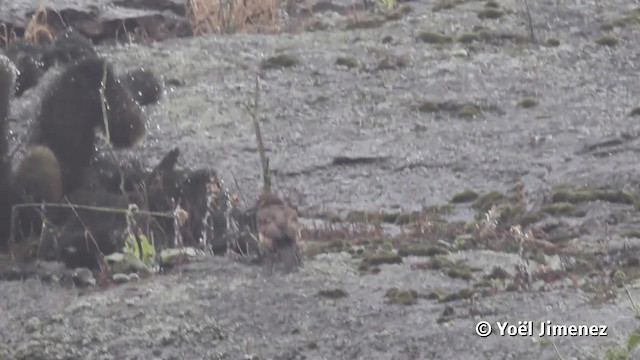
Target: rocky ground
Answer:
[[418, 110]]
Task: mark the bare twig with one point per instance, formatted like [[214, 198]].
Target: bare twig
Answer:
[[532, 35], [633, 303], [43, 219], [264, 160], [107, 134], [103, 102], [180, 216], [87, 231], [91, 208], [555, 348]]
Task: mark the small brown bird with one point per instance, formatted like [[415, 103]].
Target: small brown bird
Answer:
[[278, 231]]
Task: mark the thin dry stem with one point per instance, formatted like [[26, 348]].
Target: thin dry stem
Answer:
[[87, 232], [532, 35], [264, 160], [91, 208], [8, 35]]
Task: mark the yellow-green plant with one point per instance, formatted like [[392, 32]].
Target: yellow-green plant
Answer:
[[142, 248]]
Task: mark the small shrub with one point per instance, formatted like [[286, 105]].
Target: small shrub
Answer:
[[484, 202], [608, 40], [379, 259], [464, 196], [575, 196], [370, 23], [606, 26], [431, 37], [428, 106], [460, 295], [559, 208], [492, 4], [279, 62], [468, 38], [334, 293], [528, 102], [469, 111], [446, 5], [460, 272], [551, 42], [401, 297], [349, 62], [422, 250], [490, 13]]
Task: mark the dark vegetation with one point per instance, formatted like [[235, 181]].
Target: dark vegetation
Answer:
[[67, 202]]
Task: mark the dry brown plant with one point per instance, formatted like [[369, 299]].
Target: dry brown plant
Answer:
[[228, 16], [38, 27], [7, 35]]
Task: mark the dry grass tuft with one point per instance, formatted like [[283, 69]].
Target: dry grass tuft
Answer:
[[38, 27], [7, 35], [228, 16]]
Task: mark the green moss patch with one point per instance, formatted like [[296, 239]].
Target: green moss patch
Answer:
[[485, 201], [490, 13], [528, 102], [469, 111], [633, 340], [447, 4], [459, 295], [559, 208], [551, 42], [461, 110], [459, 271], [439, 263], [325, 247], [369, 23], [372, 260], [575, 196], [398, 218], [467, 38], [401, 218], [608, 40], [279, 62], [421, 250], [428, 106], [432, 37], [492, 4], [397, 296], [631, 18], [464, 196], [348, 62], [333, 293], [399, 13], [506, 208]]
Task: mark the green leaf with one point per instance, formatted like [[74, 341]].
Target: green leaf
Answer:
[[141, 248], [387, 4]]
